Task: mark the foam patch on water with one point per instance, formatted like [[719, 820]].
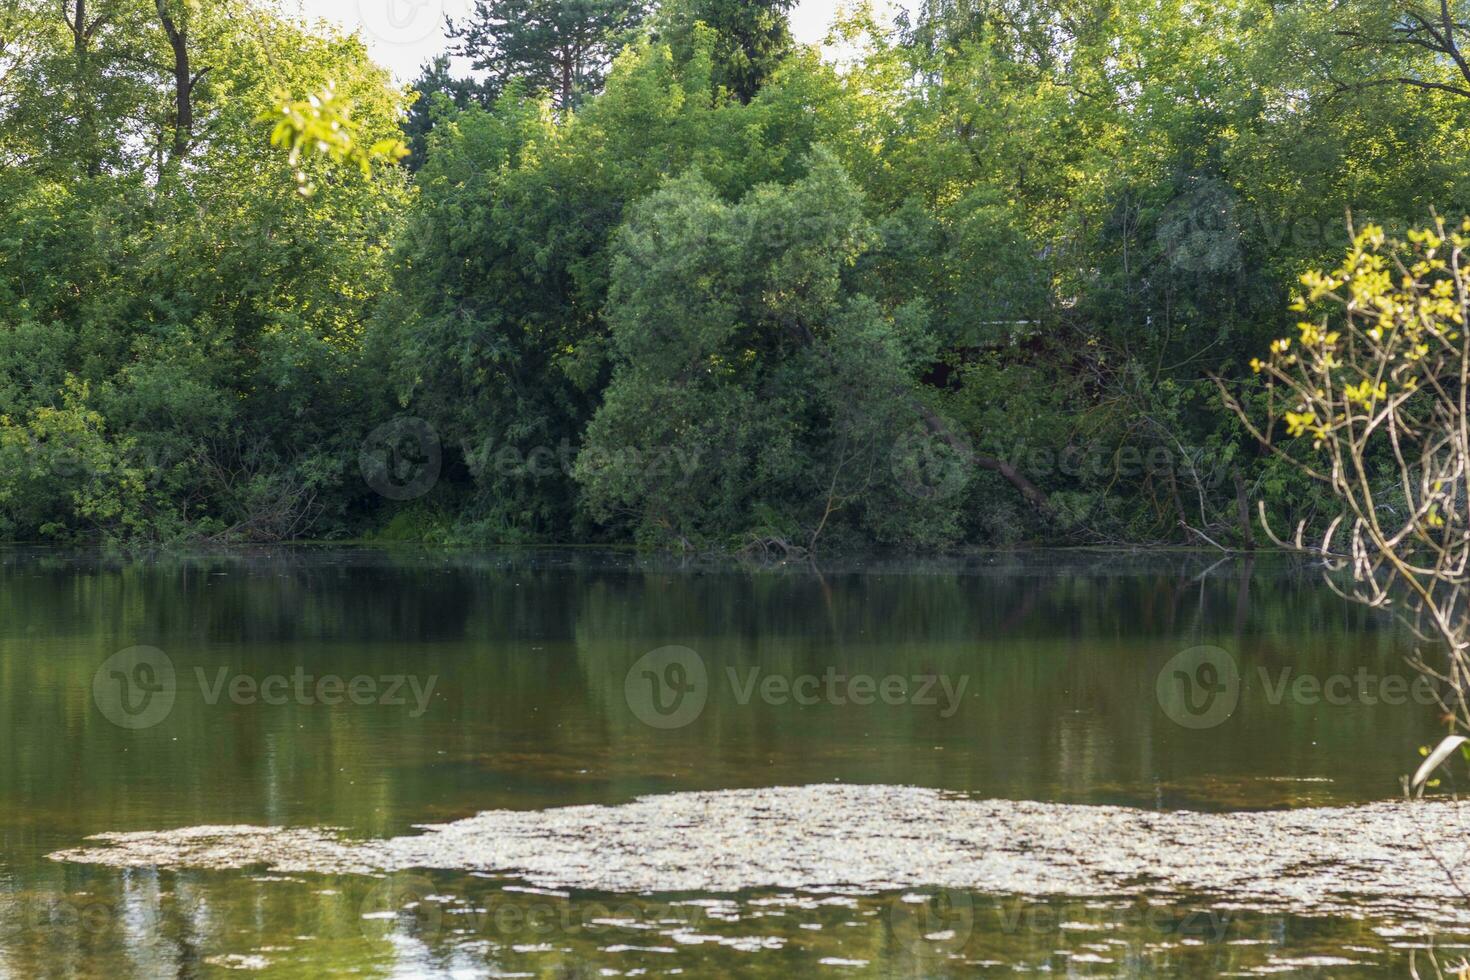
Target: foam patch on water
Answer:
[[1384, 858]]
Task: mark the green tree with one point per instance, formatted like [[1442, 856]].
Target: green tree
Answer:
[[1366, 44], [752, 37], [438, 95], [212, 314], [563, 47], [756, 394], [497, 332]]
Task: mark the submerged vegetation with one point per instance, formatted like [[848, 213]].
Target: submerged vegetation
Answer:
[[663, 276]]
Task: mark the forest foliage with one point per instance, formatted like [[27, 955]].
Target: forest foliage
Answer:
[[657, 274]]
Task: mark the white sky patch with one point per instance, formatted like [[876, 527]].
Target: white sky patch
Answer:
[[403, 34]]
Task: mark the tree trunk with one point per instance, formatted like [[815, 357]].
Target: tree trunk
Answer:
[[178, 40], [81, 33], [1243, 510]]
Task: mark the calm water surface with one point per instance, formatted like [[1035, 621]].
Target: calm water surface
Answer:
[[528, 654]]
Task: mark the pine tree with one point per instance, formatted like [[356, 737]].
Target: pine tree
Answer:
[[559, 46], [752, 36], [437, 90]]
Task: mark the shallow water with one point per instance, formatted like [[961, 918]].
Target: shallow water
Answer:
[[524, 681]]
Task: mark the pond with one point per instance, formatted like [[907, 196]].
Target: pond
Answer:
[[355, 695]]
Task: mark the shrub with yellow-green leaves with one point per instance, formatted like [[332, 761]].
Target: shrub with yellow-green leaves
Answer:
[[1378, 379], [60, 470], [1384, 361]]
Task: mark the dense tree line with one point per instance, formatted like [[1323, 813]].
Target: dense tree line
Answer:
[[657, 274]]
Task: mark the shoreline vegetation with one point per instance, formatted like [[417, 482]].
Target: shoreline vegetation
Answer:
[[987, 276]]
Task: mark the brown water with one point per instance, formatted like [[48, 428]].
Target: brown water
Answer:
[[524, 681]]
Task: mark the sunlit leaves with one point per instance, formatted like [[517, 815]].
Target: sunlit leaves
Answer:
[[322, 124]]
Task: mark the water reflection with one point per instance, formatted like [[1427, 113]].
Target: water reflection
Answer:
[[531, 652], [434, 924]]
